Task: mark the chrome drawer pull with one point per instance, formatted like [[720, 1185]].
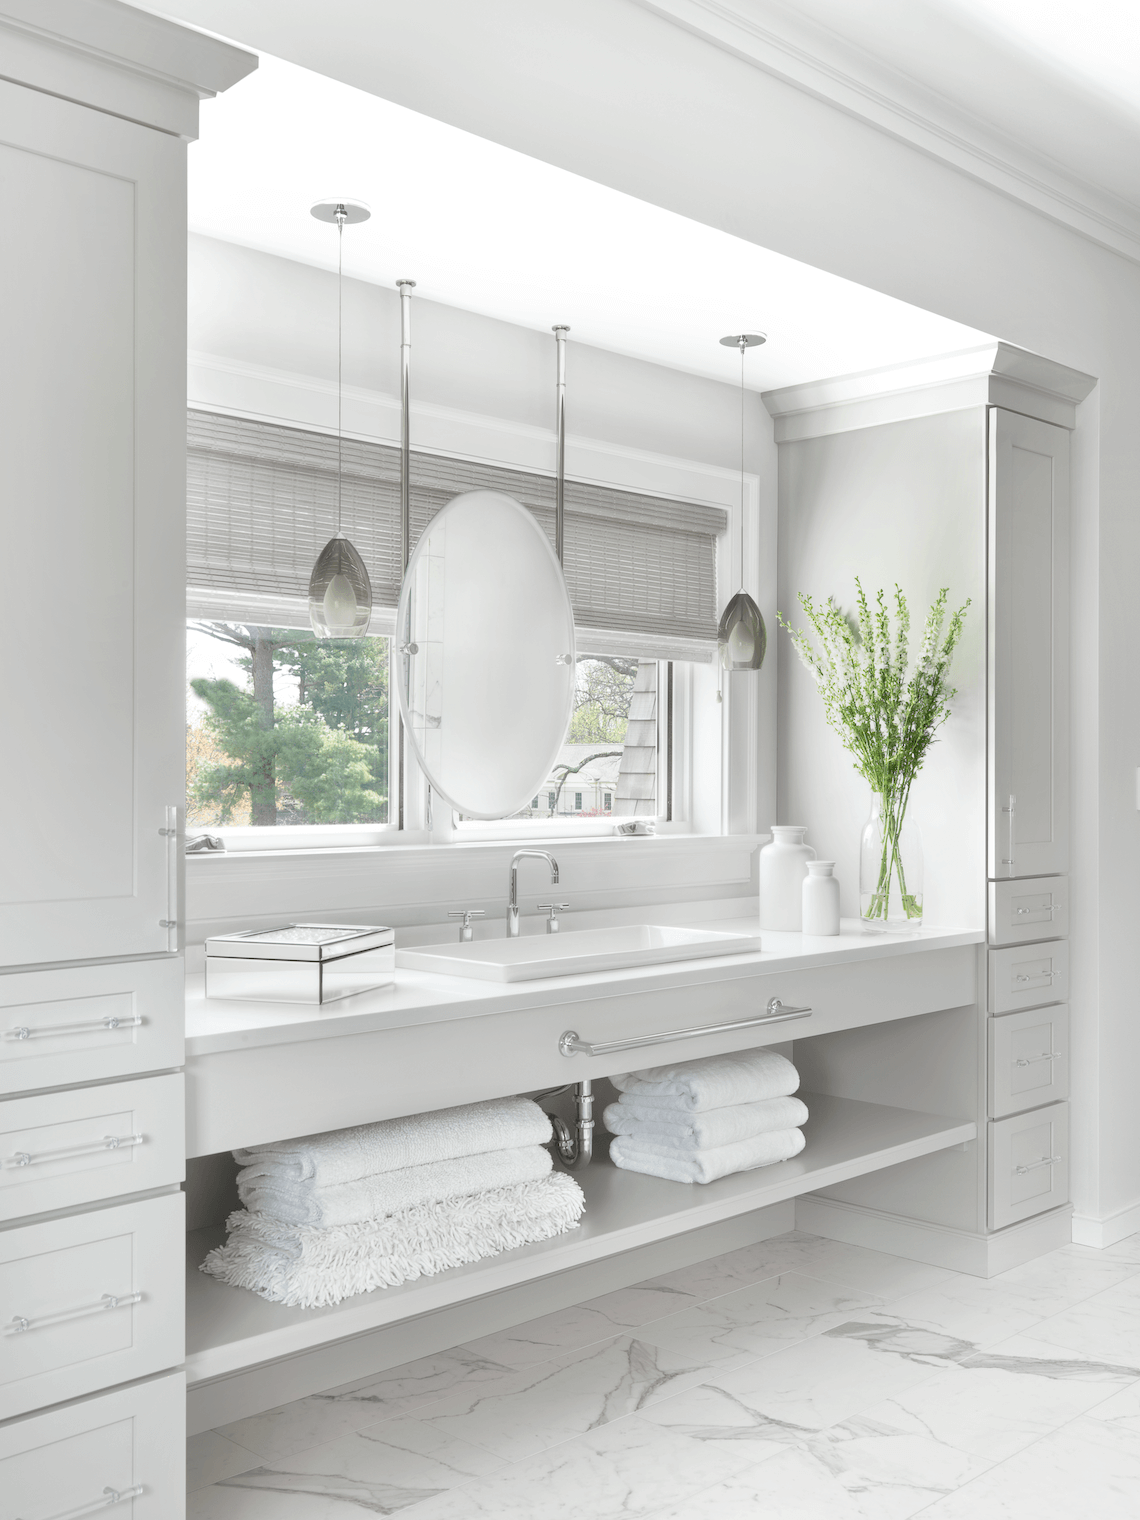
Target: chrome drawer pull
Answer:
[[110, 1497], [108, 1143], [112, 1021], [776, 1013], [1050, 911], [1034, 1166], [1037, 976], [1053, 1055], [20, 1323]]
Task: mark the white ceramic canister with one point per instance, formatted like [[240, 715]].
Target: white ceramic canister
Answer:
[[783, 866], [820, 892]]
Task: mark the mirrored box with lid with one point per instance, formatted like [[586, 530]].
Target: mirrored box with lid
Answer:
[[300, 963]]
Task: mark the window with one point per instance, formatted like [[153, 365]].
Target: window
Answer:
[[286, 731], [283, 729]]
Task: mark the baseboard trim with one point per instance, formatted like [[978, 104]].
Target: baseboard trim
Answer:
[[256, 1389], [1100, 1233], [980, 1255]]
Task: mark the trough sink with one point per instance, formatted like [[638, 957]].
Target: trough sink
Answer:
[[574, 951]]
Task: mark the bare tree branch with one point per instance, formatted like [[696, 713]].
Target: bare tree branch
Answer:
[[572, 770]]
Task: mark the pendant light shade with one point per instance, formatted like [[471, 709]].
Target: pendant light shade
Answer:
[[741, 637], [340, 592]]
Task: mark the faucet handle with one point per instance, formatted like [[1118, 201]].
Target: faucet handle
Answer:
[[554, 910], [466, 914]]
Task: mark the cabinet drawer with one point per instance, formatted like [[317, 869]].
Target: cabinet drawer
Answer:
[[131, 1442], [85, 1023], [91, 1300], [62, 1149], [1036, 908], [1029, 1164], [1029, 1059], [1028, 975]]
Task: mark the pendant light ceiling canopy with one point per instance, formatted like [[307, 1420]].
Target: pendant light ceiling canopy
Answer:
[[340, 592], [741, 636]]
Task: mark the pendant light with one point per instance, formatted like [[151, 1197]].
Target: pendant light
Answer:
[[340, 592], [741, 636]]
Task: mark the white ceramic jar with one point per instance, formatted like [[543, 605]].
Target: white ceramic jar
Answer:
[[820, 894], [783, 866]]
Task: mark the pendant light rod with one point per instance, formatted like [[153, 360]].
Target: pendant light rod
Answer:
[[743, 342], [405, 287], [560, 332], [341, 218], [741, 635]]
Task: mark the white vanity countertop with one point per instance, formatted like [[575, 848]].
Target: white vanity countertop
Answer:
[[215, 1025]]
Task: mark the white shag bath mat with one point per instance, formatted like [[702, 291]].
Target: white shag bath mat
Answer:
[[308, 1267]]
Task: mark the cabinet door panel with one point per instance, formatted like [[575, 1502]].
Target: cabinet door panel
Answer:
[[1023, 911], [1028, 628], [1029, 1059], [1029, 1164], [92, 395]]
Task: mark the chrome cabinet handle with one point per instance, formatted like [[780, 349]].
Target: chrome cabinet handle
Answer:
[[1050, 910], [776, 1012], [1033, 1166], [1037, 976], [110, 1496], [1053, 1055], [112, 1021], [20, 1324], [170, 922], [108, 1143]]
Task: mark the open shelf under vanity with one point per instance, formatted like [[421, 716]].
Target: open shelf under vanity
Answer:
[[230, 1329]]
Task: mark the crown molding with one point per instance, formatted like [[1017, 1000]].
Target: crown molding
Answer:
[[996, 374], [823, 64], [118, 60]]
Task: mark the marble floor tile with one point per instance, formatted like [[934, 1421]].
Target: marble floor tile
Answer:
[[210, 1456], [1120, 1409], [1106, 1325], [538, 1340], [351, 1406], [810, 1386], [391, 1469], [994, 1404], [791, 1486], [969, 1308], [1125, 1250], [624, 1471], [1089, 1468], [1065, 1277], [762, 1318], [629, 1308], [555, 1401]]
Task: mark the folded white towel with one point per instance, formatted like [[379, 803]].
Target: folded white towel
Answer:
[[312, 1268], [707, 1166], [747, 1076], [388, 1192], [343, 1155], [672, 1130]]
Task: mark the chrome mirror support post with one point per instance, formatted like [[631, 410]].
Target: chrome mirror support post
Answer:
[[560, 332]]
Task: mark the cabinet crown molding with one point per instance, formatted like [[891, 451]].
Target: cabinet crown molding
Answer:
[[997, 374], [117, 59]]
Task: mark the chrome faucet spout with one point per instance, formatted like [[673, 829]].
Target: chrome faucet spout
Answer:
[[513, 896]]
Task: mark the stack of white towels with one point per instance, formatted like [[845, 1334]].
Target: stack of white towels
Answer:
[[330, 1215], [700, 1120]]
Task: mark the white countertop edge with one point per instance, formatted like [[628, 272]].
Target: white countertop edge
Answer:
[[216, 1025]]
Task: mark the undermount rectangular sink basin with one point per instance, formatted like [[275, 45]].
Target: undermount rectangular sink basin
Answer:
[[574, 951]]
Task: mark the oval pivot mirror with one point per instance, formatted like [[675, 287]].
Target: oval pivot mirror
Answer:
[[485, 655]]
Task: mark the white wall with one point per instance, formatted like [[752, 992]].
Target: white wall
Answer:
[[902, 503], [609, 90]]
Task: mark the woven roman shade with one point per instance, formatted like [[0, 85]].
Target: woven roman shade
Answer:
[[261, 504]]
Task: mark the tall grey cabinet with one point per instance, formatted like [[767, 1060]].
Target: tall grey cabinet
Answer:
[[97, 106], [955, 473]]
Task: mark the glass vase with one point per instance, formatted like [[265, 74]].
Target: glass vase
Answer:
[[890, 869]]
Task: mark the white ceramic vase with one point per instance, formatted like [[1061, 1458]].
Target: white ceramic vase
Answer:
[[820, 893], [783, 866]]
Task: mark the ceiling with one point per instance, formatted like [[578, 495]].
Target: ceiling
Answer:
[[483, 227]]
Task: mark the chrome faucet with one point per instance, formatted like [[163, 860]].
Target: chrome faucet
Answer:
[[513, 900]]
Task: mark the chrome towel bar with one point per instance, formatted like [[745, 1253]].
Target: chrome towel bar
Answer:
[[571, 1044]]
